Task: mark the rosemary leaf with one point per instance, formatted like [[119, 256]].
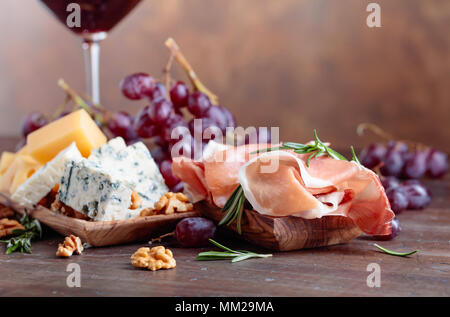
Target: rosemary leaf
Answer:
[[21, 241], [395, 253], [236, 256]]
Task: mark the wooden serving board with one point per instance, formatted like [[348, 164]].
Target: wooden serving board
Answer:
[[287, 233], [102, 233]]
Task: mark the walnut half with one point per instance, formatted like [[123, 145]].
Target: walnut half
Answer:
[[8, 225], [154, 259], [71, 244], [168, 204]]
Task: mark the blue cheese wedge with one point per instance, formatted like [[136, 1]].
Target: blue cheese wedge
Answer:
[[94, 191], [42, 181], [101, 185], [135, 165]]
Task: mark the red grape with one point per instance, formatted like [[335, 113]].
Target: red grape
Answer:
[[390, 182], [417, 195], [158, 92], [231, 121], [415, 165], [372, 155], [399, 146], [166, 171], [175, 121], [198, 104], [179, 94], [393, 163], [144, 125], [397, 199], [137, 86], [120, 123], [32, 122], [218, 116], [202, 125], [437, 163], [158, 140], [159, 154], [178, 188], [195, 231], [182, 147], [161, 111], [395, 224]]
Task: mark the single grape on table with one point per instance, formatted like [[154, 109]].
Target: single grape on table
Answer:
[[195, 232]]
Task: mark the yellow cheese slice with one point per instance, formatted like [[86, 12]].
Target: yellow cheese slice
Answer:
[[8, 158], [45, 143], [5, 161], [18, 172]]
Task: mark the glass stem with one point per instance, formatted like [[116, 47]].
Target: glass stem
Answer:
[[91, 49]]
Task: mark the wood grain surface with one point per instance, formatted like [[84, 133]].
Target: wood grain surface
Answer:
[[339, 270], [296, 64], [287, 233]]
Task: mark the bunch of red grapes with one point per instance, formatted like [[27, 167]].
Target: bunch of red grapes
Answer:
[[164, 115], [401, 168]]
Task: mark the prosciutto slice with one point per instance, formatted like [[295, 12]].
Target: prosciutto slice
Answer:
[[280, 184]]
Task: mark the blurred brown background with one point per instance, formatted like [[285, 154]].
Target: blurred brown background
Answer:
[[290, 63]]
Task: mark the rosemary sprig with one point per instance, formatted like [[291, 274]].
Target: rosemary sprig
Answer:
[[234, 208], [318, 148], [393, 252], [236, 256], [22, 239], [354, 156]]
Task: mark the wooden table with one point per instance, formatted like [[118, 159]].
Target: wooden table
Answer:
[[332, 271]]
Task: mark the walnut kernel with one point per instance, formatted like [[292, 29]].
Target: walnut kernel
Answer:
[[136, 200], [71, 244], [8, 225], [168, 204], [154, 259]]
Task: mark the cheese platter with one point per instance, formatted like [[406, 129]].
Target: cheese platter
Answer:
[[107, 177]]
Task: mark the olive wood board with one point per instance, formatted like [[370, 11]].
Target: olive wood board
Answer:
[[102, 233], [287, 233]]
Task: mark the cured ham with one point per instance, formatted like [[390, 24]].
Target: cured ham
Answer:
[[279, 183]]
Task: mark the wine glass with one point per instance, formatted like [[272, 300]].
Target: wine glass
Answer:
[[95, 19]]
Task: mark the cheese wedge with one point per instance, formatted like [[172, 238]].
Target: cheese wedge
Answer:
[[5, 161], [45, 143], [41, 183], [18, 172]]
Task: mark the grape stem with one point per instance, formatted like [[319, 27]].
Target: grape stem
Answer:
[[60, 109], [179, 57], [78, 100], [170, 234], [167, 77], [363, 127]]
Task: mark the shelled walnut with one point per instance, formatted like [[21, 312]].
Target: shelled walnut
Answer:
[[168, 204], [71, 244], [65, 210], [8, 225], [136, 200], [154, 259]]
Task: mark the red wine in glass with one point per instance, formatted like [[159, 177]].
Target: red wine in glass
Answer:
[[97, 17]]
